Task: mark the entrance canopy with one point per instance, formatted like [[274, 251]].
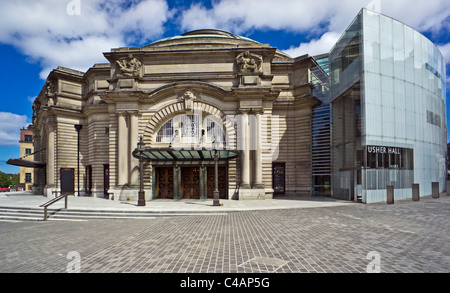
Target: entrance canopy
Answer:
[[170, 154], [25, 163]]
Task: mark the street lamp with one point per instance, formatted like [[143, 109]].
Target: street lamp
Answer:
[[77, 129], [141, 196], [216, 188]]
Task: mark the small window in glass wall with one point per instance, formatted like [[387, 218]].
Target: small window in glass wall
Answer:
[[371, 160], [385, 161], [380, 161]]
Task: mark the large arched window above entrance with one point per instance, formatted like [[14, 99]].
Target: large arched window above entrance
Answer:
[[188, 129]]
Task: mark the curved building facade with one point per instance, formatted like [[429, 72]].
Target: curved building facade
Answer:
[[388, 110]]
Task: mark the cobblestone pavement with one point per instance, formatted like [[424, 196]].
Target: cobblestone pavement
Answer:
[[403, 237]]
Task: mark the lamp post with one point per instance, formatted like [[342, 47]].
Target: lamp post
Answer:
[[141, 196], [216, 179], [78, 128]]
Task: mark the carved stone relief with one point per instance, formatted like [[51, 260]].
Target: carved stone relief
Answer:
[[188, 98], [50, 88], [129, 66], [248, 62]]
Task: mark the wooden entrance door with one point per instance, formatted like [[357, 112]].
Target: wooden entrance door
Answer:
[[190, 182], [164, 184], [222, 181]]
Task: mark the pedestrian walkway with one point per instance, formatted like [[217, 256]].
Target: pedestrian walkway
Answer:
[[406, 237], [28, 200]]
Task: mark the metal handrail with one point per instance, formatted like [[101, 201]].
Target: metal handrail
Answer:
[[52, 201]]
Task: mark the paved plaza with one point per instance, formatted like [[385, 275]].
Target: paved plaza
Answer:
[[403, 237]]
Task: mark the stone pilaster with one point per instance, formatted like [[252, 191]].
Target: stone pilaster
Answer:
[[133, 139], [258, 154], [245, 152], [122, 145], [50, 185]]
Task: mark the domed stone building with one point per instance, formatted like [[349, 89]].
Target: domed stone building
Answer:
[[188, 98], [209, 113]]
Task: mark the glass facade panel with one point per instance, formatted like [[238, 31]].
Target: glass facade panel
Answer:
[[402, 95], [321, 132]]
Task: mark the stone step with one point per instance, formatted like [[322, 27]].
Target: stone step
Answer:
[[37, 214]]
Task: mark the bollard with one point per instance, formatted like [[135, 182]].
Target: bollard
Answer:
[[415, 192], [435, 189], [390, 194]]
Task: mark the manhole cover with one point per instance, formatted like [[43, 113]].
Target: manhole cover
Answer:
[[264, 264]]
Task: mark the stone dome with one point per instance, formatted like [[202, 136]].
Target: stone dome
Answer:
[[207, 37]]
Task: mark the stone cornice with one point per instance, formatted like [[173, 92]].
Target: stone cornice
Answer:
[[123, 96], [95, 109]]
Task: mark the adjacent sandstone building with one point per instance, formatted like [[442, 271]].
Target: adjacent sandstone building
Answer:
[[26, 151], [185, 96]]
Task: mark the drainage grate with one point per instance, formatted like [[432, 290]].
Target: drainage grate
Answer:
[[264, 264]]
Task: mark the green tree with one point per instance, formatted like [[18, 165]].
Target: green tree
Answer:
[[4, 180], [15, 180]]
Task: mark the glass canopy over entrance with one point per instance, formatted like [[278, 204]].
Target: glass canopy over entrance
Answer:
[[170, 154], [192, 179]]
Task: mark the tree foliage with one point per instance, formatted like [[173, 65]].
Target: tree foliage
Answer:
[[5, 181]]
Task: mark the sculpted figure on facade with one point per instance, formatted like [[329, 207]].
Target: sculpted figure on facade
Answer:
[[129, 66], [248, 62], [50, 88], [36, 106], [188, 98]]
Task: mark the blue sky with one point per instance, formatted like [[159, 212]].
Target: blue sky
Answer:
[[37, 36]]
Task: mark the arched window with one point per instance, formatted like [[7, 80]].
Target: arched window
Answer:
[[187, 129], [214, 131], [165, 133]]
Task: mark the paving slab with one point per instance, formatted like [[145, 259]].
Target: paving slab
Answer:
[[28, 200]]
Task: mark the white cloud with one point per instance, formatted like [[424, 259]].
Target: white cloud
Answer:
[[304, 15], [445, 50], [240, 16], [316, 46], [44, 31], [324, 18], [10, 125]]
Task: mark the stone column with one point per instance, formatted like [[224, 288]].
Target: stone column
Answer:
[[245, 158], [154, 183], [203, 182], [133, 163], [122, 149], [258, 153], [177, 193], [50, 168]]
